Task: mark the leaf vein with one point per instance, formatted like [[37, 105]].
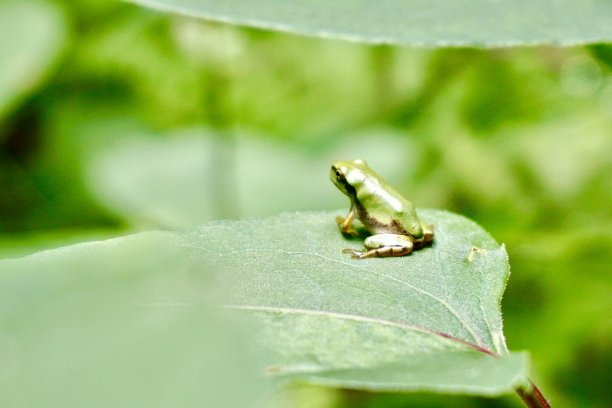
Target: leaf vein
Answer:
[[446, 305], [356, 318]]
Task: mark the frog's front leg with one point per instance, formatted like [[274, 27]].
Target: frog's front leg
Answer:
[[383, 245], [346, 224], [428, 233]]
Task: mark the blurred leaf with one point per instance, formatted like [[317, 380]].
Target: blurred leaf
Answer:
[[603, 53], [498, 93], [581, 146], [428, 321], [260, 99], [304, 395], [17, 245], [189, 177], [32, 35], [433, 23], [127, 322], [151, 180], [135, 62]]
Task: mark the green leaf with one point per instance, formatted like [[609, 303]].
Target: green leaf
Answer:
[[428, 321], [128, 322], [32, 35], [431, 23], [122, 317]]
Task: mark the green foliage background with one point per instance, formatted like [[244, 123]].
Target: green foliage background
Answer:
[[115, 119]]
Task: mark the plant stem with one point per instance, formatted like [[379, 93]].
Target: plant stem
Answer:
[[532, 396]]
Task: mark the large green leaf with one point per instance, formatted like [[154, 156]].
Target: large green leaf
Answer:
[[128, 322], [428, 321], [432, 23], [32, 35], [120, 317]]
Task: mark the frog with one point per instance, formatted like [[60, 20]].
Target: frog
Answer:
[[391, 220]]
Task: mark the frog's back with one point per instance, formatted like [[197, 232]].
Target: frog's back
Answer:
[[387, 211]]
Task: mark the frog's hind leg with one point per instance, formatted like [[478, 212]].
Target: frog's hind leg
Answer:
[[383, 245], [383, 252]]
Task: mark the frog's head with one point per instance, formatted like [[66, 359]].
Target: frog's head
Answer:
[[348, 175]]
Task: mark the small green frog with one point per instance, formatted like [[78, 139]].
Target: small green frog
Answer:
[[390, 218]]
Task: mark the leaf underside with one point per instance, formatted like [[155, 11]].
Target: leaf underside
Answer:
[[429, 23]]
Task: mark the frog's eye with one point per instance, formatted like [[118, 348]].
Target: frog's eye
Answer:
[[338, 174]]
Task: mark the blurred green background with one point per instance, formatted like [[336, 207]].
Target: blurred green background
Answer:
[[115, 119]]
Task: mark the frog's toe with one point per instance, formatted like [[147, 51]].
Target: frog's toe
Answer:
[[348, 230], [355, 254], [428, 233], [351, 232]]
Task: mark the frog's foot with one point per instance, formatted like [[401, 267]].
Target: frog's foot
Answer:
[[383, 252], [382, 246], [428, 232], [346, 227]]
